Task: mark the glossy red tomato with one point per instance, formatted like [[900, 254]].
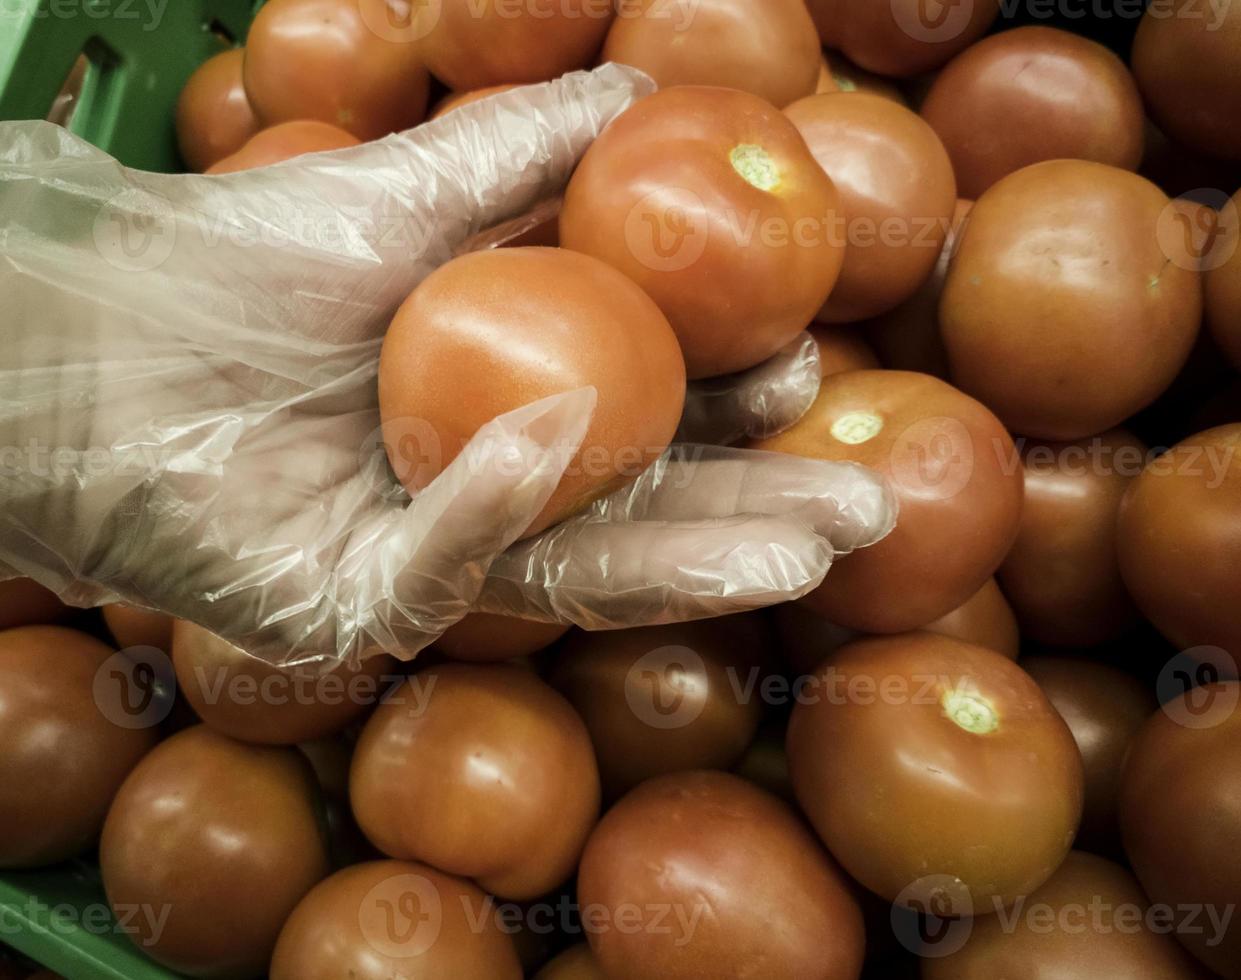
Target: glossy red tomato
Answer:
[[897, 195], [64, 756], [1033, 94], [24, 602], [1179, 541], [248, 699], [901, 37], [1223, 282], [388, 919], [769, 49], [351, 63], [848, 77], [955, 474], [131, 626], [1062, 575], [283, 142], [214, 117], [455, 100], [708, 199], [945, 760], [492, 331], [484, 638], [1098, 318], [722, 863], [841, 348], [220, 840], [468, 45], [1180, 816], [1185, 61], [482, 771]]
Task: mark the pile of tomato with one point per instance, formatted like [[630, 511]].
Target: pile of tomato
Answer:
[[1003, 742]]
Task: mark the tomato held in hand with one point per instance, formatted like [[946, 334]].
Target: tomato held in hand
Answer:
[[921, 759], [483, 771], [770, 49], [1033, 94], [901, 37], [387, 919], [722, 863], [1061, 575], [284, 141], [455, 100], [64, 757], [1179, 541], [708, 199], [1223, 281], [1104, 708], [957, 479], [493, 331], [1063, 311], [897, 195], [469, 45], [222, 838], [344, 62], [1180, 816], [214, 116]]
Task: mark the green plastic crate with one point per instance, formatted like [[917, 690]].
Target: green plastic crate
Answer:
[[137, 55]]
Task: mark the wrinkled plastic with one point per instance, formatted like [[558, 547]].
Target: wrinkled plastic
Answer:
[[188, 412]]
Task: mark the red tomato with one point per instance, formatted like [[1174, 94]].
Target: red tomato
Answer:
[[134, 627], [214, 117], [455, 100], [483, 637], [283, 142], [1223, 281], [24, 602]]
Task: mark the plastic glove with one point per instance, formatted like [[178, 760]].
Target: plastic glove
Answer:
[[189, 422]]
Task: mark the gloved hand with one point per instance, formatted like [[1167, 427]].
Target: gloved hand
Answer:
[[188, 414]]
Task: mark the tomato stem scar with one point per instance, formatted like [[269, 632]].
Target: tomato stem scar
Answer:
[[854, 428], [755, 165], [970, 711]]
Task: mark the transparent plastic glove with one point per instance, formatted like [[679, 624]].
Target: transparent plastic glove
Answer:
[[187, 390]]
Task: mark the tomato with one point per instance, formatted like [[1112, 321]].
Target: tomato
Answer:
[[848, 77], [251, 700], [344, 62], [1033, 94], [131, 626], [1223, 282], [826, 81], [727, 863], [455, 100], [708, 199], [770, 49], [64, 758], [1185, 60], [483, 637], [214, 117], [919, 756], [492, 331], [469, 45], [1104, 707], [897, 195], [841, 348], [223, 839], [388, 919], [901, 37], [665, 698], [482, 771], [1062, 575], [1087, 921], [1097, 318], [766, 764], [1180, 816], [283, 142], [953, 470], [24, 602], [1179, 540], [575, 963]]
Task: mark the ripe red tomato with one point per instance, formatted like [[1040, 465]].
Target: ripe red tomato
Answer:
[[842, 348], [283, 142], [1033, 94], [770, 49], [492, 331], [24, 602], [455, 100], [1223, 281], [214, 116], [897, 196], [708, 199], [345, 62], [484, 638], [131, 626]]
